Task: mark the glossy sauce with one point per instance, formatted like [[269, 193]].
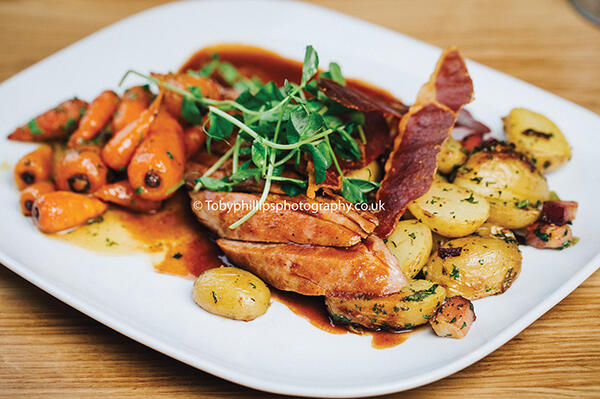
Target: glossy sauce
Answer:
[[173, 231]]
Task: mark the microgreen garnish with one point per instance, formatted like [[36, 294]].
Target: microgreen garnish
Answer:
[[276, 127]]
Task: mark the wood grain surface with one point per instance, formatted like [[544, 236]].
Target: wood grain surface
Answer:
[[48, 350]]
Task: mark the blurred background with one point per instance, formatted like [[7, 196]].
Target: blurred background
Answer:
[[48, 349]]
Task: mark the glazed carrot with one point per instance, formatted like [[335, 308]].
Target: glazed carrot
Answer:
[[121, 193], [158, 163], [173, 101], [133, 102], [193, 138], [120, 148], [95, 118], [54, 124], [81, 170], [32, 193], [62, 210], [34, 167]]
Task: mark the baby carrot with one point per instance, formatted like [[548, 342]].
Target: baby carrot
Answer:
[[120, 148], [81, 170], [133, 102], [61, 210], [95, 118], [34, 167], [33, 192], [121, 193], [157, 167], [54, 124], [173, 101], [193, 138]]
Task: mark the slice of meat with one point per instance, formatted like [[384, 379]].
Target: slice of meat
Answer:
[[282, 219], [365, 269], [412, 163]]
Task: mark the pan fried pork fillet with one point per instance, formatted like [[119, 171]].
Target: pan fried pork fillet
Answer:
[[312, 223], [367, 268]]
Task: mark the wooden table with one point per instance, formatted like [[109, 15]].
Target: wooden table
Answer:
[[49, 350]]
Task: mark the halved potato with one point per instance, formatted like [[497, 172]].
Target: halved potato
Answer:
[[474, 267], [537, 137], [231, 292], [413, 305], [410, 243], [371, 172], [451, 155], [509, 181], [450, 210]]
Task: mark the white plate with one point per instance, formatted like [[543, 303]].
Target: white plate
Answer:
[[281, 352]]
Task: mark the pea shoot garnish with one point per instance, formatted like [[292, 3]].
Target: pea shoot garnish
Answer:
[[277, 127]]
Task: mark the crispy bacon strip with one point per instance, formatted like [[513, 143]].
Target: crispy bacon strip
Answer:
[[411, 166], [352, 98]]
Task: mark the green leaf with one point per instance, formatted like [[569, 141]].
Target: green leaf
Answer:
[[214, 184], [229, 73], [321, 159], [335, 74], [292, 189], [190, 112], [311, 64], [354, 190], [258, 154], [269, 92], [219, 128], [196, 91], [345, 145], [303, 123]]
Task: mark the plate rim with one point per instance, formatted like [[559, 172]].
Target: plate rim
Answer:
[[265, 384]]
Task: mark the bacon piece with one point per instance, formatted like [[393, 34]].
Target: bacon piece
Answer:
[[559, 212], [449, 252], [367, 268], [466, 120], [547, 235], [454, 318], [353, 98], [411, 166]]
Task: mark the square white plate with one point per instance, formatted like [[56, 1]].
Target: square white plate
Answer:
[[281, 352]]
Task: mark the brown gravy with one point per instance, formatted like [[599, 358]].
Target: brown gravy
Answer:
[[181, 246]]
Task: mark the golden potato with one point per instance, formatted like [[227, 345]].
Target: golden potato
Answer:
[[509, 181], [537, 137], [450, 210], [451, 155], [475, 267], [371, 172], [410, 243], [231, 292], [413, 305]]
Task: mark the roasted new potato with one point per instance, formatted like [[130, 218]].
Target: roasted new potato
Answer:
[[413, 305], [537, 137], [371, 172], [410, 243], [474, 267], [451, 155], [231, 292], [509, 181], [450, 210]]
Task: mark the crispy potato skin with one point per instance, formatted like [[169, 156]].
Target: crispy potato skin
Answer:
[[231, 292], [451, 155], [450, 210], [485, 266], [510, 183], [410, 243], [537, 137], [413, 305], [454, 318]]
